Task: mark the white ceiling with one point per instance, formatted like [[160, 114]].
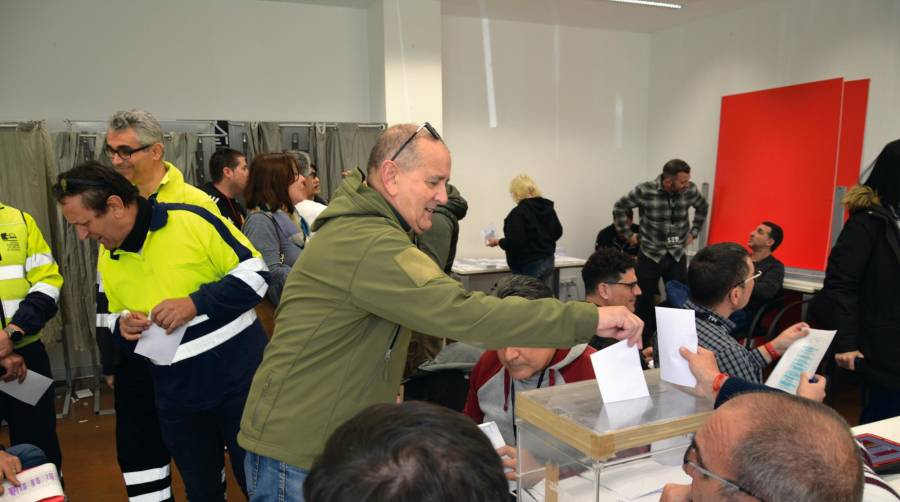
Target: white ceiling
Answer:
[[582, 13]]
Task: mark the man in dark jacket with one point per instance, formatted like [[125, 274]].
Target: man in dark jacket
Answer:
[[229, 172], [611, 237], [439, 242], [861, 295]]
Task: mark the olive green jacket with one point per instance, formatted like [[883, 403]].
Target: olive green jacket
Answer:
[[338, 345]]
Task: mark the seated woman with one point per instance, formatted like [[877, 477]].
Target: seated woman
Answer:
[[530, 231], [273, 224]]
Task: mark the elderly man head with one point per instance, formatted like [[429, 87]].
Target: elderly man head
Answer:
[[134, 145], [771, 446], [410, 167]]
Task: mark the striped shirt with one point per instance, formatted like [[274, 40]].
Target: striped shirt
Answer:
[[664, 217], [714, 334]]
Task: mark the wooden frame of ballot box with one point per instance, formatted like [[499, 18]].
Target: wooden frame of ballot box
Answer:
[[567, 432]]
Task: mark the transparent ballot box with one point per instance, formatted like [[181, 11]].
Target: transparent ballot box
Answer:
[[572, 447]]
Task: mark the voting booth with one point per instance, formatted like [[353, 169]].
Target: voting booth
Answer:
[[572, 447]]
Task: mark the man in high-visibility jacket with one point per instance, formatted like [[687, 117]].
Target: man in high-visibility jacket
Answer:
[[29, 287], [179, 266], [134, 146]]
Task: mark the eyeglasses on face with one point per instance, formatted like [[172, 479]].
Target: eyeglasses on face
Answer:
[[751, 278], [693, 453], [632, 285], [124, 152], [426, 125]]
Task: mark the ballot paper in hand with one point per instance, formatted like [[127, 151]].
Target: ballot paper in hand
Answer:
[[29, 391], [803, 355], [675, 328], [39, 483], [618, 372], [159, 347]]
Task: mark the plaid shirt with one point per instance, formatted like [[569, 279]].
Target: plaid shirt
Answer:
[[664, 217], [714, 334]]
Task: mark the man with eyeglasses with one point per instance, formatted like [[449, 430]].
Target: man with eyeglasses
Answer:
[[721, 279], [349, 305], [767, 445], [176, 267], [134, 146]]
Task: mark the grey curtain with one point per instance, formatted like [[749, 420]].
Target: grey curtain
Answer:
[[181, 149], [268, 136], [318, 152], [77, 259], [26, 168], [347, 147]]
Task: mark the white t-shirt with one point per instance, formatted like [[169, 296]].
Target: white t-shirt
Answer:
[[309, 210]]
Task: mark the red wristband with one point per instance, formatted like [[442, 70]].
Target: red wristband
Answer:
[[718, 381], [771, 350]]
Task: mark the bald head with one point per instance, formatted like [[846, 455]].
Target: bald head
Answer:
[[783, 447], [415, 181]]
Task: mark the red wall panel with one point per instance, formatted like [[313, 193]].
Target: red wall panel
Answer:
[[777, 160]]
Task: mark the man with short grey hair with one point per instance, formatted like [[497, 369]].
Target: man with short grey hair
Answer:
[[348, 306], [134, 145]]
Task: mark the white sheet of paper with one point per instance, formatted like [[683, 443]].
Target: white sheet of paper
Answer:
[[675, 328], [37, 483], [29, 391], [491, 430], [159, 347], [617, 369], [803, 355]]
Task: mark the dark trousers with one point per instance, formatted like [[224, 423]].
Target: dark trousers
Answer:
[[142, 454], [879, 403], [34, 424], [541, 269], [648, 275], [197, 440]]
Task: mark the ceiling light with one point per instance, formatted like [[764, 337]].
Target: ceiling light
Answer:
[[667, 5]]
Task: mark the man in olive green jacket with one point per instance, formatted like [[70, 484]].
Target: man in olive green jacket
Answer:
[[342, 328]]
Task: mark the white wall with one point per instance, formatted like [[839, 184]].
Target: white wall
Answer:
[[769, 45], [557, 90], [198, 59]]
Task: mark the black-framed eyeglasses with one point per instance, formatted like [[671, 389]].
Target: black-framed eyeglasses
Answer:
[[751, 278], [426, 125], [698, 465], [124, 152], [67, 184], [631, 285]]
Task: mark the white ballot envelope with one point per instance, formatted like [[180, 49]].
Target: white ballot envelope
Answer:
[[617, 369], [489, 232], [35, 484], [491, 430], [159, 347], [29, 391], [803, 355], [675, 328]]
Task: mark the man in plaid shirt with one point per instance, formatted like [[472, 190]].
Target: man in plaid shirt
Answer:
[[721, 279], [665, 231]]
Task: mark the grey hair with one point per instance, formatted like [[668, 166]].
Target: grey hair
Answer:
[[795, 449], [522, 285], [144, 124], [302, 159]]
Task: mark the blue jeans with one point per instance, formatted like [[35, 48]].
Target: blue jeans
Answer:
[[270, 479], [29, 455], [541, 269]]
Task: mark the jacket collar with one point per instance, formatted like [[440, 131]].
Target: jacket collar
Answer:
[[151, 216]]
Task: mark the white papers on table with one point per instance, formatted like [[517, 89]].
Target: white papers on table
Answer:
[[158, 346], [640, 480], [617, 369], [491, 430], [29, 391], [675, 328], [803, 355], [38, 483]]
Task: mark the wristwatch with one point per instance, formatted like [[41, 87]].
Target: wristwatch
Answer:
[[15, 335]]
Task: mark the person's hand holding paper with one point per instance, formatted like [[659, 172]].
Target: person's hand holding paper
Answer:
[[676, 328]]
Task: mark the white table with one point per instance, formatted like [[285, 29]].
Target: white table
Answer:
[[480, 274], [888, 429]]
